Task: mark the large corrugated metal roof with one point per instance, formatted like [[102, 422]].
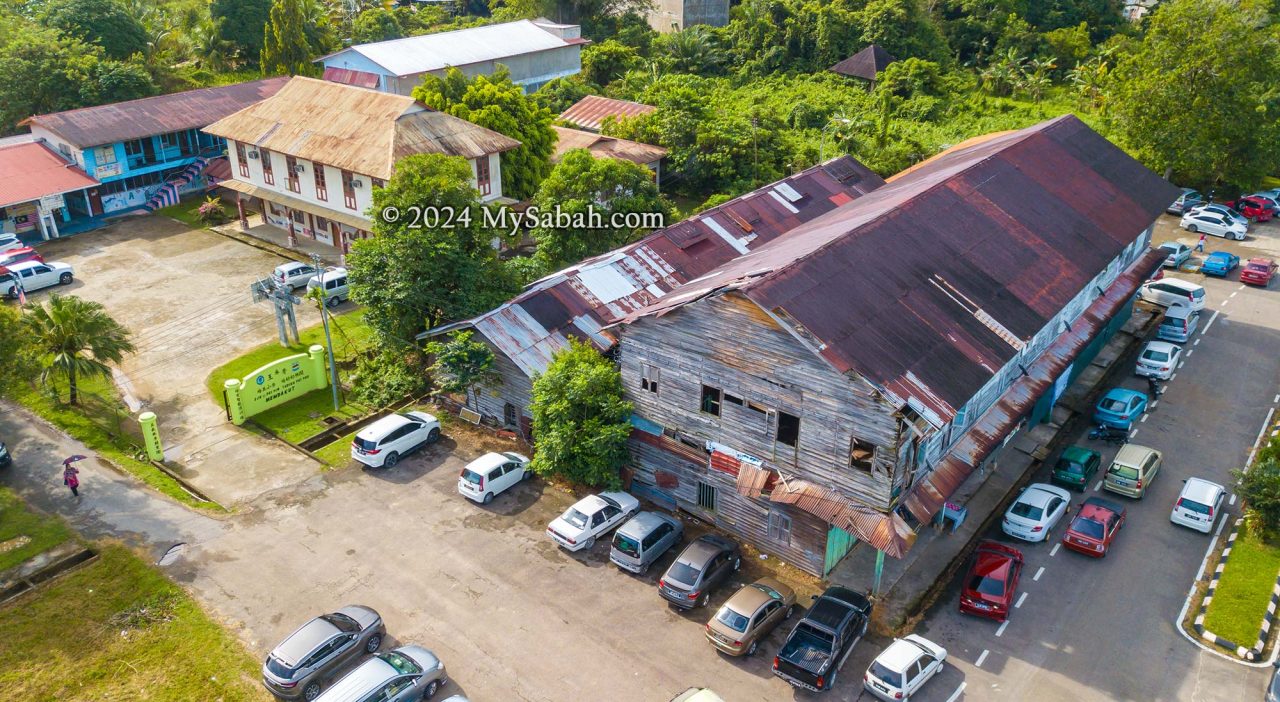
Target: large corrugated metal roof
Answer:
[[460, 47], [360, 130], [29, 171], [135, 119], [578, 301], [602, 146], [928, 285], [591, 111]]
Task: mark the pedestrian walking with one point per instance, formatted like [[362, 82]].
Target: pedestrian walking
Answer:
[[70, 478], [1200, 244]]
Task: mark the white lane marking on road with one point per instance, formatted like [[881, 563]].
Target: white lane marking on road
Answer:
[[1224, 302], [1021, 599], [956, 695], [1212, 319], [1196, 342], [1189, 352], [1232, 501], [1144, 418], [1041, 571], [1241, 287], [1173, 377], [1265, 423], [1276, 398], [1181, 364], [1095, 489], [1233, 294], [982, 658], [1133, 433], [1058, 545], [1155, 404], [1000, 631]]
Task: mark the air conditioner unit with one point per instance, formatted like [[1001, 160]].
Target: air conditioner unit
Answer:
[[357, 184], [298, 168], [253, 154]]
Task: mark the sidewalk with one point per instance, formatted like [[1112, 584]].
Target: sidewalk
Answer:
[[276, 240], [910, 584]]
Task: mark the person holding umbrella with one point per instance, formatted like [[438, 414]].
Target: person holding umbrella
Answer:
[[70, 474]]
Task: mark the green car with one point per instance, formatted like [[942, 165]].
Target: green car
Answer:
[[1075, 467]]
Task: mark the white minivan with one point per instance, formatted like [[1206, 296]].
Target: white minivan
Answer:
[[491, 474], [334, 284], [34, 276], [1199, 504], [1173, 291]]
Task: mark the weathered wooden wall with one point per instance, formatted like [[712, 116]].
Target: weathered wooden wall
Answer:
[[515, 387]]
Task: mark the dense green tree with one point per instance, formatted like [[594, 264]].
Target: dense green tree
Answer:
[[432, 260], [496, 103], [463, 365], [581, 184], [375, 24], [904, 29], [605, 62], [117, 81], [558, 94], [1198, 99], [1260, 489], [103, 22], [580, 418], [241, 22], [285, 50], [697, 49], [20, 364], [1069, 46], [74, 339]]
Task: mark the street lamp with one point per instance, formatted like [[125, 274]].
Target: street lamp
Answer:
[[822, 142]]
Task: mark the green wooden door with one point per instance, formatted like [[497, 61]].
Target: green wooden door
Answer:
[[839, 542]]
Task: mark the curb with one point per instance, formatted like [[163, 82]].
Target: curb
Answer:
[[1249, 654]]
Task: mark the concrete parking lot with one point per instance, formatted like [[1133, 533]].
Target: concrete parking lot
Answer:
[[184, 294]]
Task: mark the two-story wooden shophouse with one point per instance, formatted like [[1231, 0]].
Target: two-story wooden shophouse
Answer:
[[838, 383], [310, 155]]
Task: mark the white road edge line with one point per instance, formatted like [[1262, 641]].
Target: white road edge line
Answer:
[[982, 658], [1265, 423], [1005, 624], [1133, 433], [1237, 292], [1021, 599], [1186, 604], [1181, 364], [1173, 377], [1189, 352], [1224, 302], [1058, 545], [1241, 287], [1212, 319], [1144, 418], [1232, 501], [1041, 571], [1095, 489], [1276, 398], [956, 695], [1196, 342]]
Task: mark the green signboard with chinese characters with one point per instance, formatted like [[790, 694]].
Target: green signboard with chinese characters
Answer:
[[276, 383]]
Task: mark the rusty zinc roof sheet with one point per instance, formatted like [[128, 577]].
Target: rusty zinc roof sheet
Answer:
[[591, 111], [584, 298], [350, 76], [929, 285], [876, 528], [602, 146], [135, 119]]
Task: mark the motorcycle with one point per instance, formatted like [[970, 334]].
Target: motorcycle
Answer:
[[5, 458], [1110, 435]]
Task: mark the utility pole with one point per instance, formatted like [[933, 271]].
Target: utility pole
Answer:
[[328, 340], [282, 301]]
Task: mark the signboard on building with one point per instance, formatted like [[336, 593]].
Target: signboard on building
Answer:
[[276, 383], [49, 203], [107, 170]]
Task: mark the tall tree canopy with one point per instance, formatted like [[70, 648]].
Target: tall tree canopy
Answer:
[[580, 418], [431, 260], [241, 22], [106, 23], [285, 49], [580, 184], [496, 103], [1199, 97], [74, 339]]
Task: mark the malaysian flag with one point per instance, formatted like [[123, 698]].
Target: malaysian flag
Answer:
[[22, 293]]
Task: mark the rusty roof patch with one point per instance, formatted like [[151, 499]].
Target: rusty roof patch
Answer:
[[591, 111]]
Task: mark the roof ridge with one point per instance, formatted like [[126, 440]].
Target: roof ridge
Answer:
[[209, 88]]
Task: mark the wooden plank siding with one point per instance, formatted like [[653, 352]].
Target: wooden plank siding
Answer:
[[514, 387]]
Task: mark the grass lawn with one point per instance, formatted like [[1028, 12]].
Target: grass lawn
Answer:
[[16, 522], [338, 453], [1244, 591], [185, 212], [76, 422], [303, 417], [118, 630]]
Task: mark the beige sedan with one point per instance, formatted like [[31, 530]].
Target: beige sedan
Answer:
[[750, 615]]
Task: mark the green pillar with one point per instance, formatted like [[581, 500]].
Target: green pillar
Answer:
[[319, 374], [151, 436], [235, 408], [875, 589]]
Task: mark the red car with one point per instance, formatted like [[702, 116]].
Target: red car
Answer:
[[1258, 271], [1095, 527], [22, 255], [992, 581], [1255, 208]]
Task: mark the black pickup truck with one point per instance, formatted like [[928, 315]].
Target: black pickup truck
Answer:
[[817, 647]]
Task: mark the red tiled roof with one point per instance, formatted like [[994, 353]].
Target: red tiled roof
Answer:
[[122, 121], [30, 171], [591, 111]]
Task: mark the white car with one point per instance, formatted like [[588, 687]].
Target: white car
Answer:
[[590, 517], [381, 444], [1199, 504], [34, 276], [903, 668], [1173, 291], [491, 474], [1037, 510], [1222, 210], [1177, 254], [9, 242], [1214, 224], [1159, 359], [292, 275]]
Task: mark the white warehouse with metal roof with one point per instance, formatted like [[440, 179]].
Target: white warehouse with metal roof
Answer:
[[534, 51]]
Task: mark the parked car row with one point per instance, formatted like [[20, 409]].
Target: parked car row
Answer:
[[1258, 207], [333, 281], [33, 275]]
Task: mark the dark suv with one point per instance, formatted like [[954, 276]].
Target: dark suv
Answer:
[[817, 647], [305, 661], [704, 564]]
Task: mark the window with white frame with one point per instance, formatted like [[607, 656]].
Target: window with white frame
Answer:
[[649, 377]]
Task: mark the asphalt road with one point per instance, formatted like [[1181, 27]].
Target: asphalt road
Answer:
[[1087, 629]]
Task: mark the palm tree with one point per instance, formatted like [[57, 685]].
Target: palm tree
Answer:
[[75, 338]]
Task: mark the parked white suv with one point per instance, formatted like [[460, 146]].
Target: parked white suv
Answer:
[[1173, 291], [34, 276], [491, 474], [1199, 504], [381, 444]]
